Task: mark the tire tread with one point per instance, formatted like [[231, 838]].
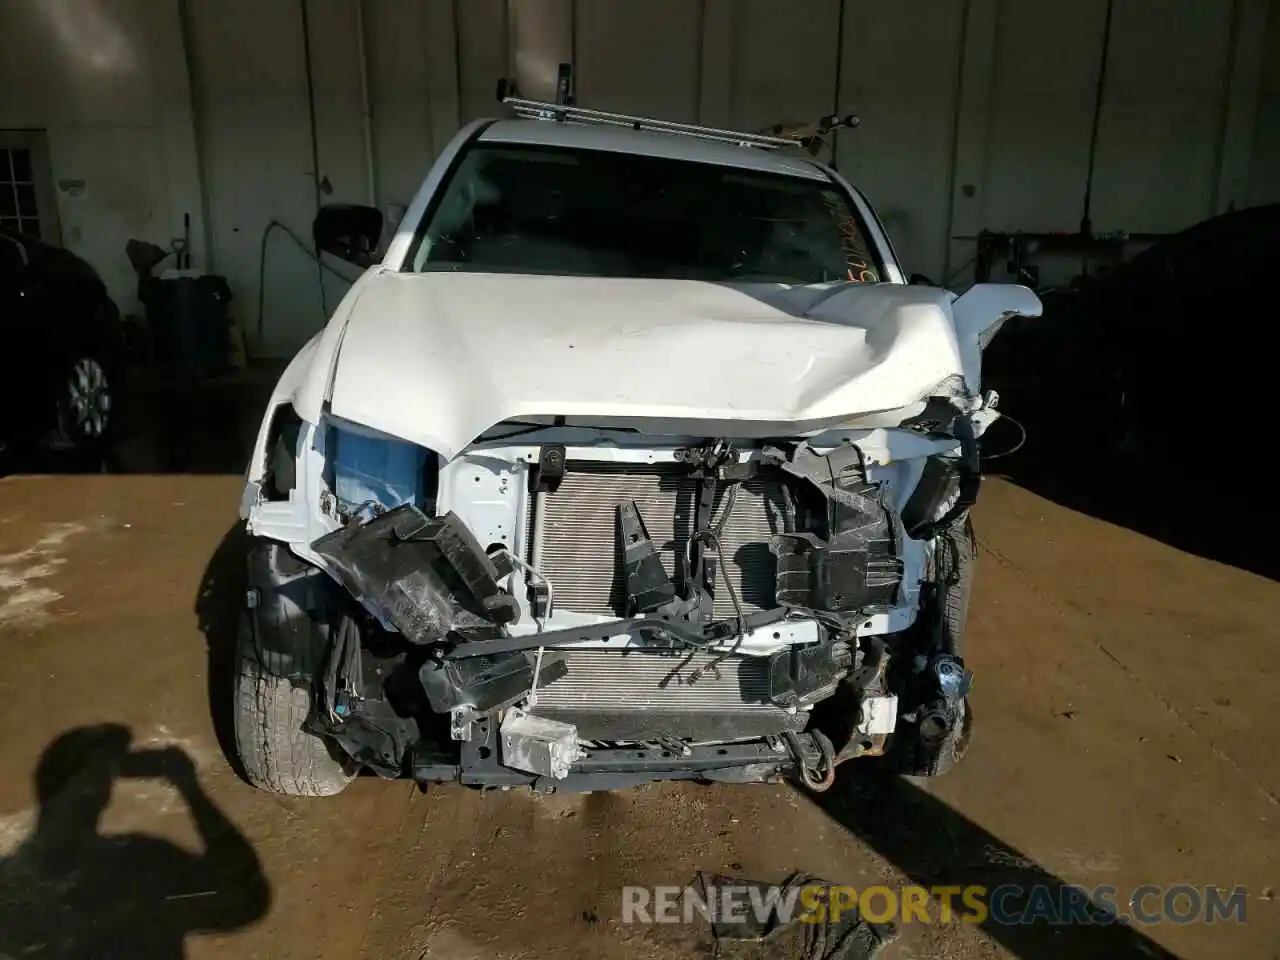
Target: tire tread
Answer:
[[277, 754]]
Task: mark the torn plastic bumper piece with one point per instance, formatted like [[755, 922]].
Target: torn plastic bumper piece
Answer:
[[801, 676], [949, 485], [856, 566], [935, 495], [424, 576], [486, 682], [844, 574]]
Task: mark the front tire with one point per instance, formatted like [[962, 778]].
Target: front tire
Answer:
[[276, 753]]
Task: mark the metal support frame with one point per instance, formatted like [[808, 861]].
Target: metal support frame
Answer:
[[615, 768], [562, 113]]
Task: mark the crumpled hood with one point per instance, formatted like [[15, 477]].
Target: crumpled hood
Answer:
[[438, 358]]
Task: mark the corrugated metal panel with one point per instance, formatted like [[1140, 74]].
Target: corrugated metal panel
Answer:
[[634, 680], [616, 695], [580, 537]]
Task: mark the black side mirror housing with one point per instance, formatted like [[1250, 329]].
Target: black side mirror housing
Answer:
[[348, 231]]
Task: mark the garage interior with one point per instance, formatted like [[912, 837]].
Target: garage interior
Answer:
[[1123, 629]]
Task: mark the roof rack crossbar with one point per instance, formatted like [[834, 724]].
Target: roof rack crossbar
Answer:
[[538, 110]]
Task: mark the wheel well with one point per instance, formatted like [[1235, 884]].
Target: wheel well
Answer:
[[281, 474]]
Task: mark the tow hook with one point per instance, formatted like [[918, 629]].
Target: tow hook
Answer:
[[818, 778]]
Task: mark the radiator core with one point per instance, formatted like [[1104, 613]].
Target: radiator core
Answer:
[[580, 551], [640, 695]]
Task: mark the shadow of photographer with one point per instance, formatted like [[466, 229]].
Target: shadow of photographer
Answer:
[[69, 891]]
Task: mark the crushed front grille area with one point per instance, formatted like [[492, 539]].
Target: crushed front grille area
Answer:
[[580, 533]]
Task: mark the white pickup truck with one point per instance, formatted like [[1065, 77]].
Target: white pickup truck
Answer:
[[633, 457]]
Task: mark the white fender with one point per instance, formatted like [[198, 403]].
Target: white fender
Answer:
[[980, 313]]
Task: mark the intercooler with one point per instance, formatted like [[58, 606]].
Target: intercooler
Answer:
[[637, 695], [579, 550]]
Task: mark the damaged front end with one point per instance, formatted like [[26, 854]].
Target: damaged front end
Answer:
[[592, 608]]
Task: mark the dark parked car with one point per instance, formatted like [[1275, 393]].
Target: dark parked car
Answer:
[[60, 347]]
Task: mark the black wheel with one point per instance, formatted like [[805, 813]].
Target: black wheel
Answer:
[[277, 754], [86, 403]]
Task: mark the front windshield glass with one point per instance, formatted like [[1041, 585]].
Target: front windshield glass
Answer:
[[537, 209]]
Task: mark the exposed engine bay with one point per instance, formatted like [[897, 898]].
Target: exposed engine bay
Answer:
[[593, 608]]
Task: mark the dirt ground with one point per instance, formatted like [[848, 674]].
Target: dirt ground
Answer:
[[1122, 737]]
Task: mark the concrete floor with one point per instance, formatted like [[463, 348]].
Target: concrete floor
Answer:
[[1123, 696]]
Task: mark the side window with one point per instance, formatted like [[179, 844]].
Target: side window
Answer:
[[27, 203], [18, 209]]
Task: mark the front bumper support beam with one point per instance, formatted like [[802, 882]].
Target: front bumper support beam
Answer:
[[614, 768]]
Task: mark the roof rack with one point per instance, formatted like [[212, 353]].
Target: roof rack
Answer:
[[563, 113]]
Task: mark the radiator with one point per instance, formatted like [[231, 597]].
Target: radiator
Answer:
[[580, 553], [638, 695]]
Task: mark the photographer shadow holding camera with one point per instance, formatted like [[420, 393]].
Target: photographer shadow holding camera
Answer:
[[68, 891]]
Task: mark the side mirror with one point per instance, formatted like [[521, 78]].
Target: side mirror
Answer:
[[348, 231]]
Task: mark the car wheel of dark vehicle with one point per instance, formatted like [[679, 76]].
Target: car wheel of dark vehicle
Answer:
[[85, 403], [910, 754], [277, 754]]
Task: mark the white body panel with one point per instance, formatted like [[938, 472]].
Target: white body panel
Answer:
[[436, 359]]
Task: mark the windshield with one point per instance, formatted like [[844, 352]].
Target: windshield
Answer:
[[530, 209]]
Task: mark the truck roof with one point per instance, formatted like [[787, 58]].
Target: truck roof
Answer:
[[650, 144]]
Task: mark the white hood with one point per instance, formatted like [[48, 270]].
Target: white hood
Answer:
[[438, 358]]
